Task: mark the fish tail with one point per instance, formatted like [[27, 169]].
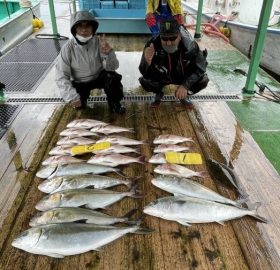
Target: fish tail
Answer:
[[134, 192], [131, 130], [145, 141], [258, 217], [142, 159]]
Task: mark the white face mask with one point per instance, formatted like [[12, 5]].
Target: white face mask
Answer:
[[83, 39], [170, 48]]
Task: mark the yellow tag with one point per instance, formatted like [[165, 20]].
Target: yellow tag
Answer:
[[83, 149], [183, 158]]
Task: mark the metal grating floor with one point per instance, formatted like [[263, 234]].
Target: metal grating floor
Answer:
[[21, 77], [7, 115], [23, 67], [131, 98], [34, 50]]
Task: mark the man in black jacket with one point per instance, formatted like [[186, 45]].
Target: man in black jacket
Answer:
[[173, 57]]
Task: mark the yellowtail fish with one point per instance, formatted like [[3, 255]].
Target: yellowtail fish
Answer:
[[60, 150], [85, 123], [114, 139], [76, 132], [60, 240], [75, 141], [162, 148], [118, 149], [108, 129], [54, 160], [176, 170]]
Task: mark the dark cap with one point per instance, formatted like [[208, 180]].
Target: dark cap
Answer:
[[169, 28]]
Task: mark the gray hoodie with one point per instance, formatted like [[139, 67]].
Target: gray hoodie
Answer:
[[81, 63]]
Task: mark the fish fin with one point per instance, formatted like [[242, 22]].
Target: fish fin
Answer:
[[221, 222], [256, 215], [54, 255], [142, 159], [183, 222], [146, 141]]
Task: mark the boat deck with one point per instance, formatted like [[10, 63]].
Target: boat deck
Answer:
[[224, 131]]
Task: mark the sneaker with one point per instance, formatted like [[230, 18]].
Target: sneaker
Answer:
[[186, 103], [117, 108], [157, 100]]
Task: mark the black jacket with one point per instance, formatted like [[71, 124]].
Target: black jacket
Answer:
[[186, 66]]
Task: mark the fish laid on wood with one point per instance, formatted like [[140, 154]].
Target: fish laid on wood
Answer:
[[73, 169], [54, 160], [187, 187], [75, 141], [61, 150], [158, 159], [90, 198], [108, 129], [85, 123], [118, 149], [114, 160], [186, 210], [81, 181], [59, 240], [76, 132], [225, 175], [114, 139], [75, 214], [176, 170], [162, 148], [171, 139]]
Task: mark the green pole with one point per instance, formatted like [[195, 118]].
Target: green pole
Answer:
[[53, 19], [197, 34], [258, 47]]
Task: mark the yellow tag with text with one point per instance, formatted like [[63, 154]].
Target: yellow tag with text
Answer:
[[88, 148], [183, 158]]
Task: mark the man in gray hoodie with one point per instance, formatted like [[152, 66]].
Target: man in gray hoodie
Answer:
[[87, 62]]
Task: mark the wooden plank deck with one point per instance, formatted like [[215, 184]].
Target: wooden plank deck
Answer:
[[240, 244]]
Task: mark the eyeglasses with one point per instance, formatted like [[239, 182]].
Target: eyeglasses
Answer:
[[173, 38]]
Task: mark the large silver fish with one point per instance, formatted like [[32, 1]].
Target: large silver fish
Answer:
[[176, 170], [171, 139], [186, 210], [163, 148], [75, 141], [183, 186], [73, 169], [114, 139], [85, 123], [75, 214], [59, 240], [81, 181], [108, 129], [90, 198], [114, 160]]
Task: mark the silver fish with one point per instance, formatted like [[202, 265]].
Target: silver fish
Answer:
[[117, 149], [91, 198], [158, 159], [162, 148], [73, 169], [61, 150], [54, 160], [75, 214], [114, 160], [75, 141], [80, 181], [187, 187], [76, 132], [176, 170], [59, 240], [108, 129], [171, 139], [114, 139], [186, 210], [85, 123]]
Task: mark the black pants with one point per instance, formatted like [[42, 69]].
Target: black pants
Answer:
[[110, 81], [156, 87]]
